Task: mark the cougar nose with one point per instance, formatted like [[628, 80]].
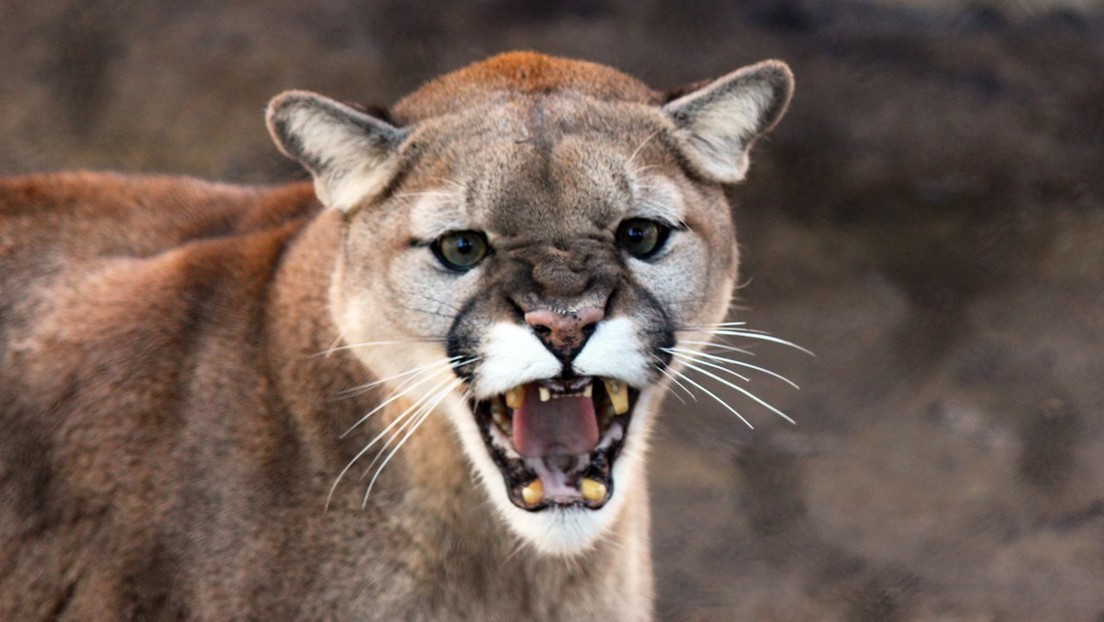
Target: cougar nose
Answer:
[[564, 333]]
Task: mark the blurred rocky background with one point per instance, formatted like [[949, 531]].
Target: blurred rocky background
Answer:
[[928, 219]]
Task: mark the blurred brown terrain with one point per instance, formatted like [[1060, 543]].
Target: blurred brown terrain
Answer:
[[928, 219]]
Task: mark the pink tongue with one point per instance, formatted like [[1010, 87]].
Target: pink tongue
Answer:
[[564, 426]]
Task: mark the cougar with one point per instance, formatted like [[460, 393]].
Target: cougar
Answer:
[[420, 388]]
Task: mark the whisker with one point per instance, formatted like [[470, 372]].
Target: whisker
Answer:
[[638, 170], [722, 346], [405, 414], [726, 370], [397, 395], [337, 339], [718, 325], [451, 181], [714, 396], [639, 148], [521, 546], [676, 381], [421, 419], [734, 362], [424, 401], [360, 390], [741, 390], [389, 342], [420, 409], [748, 334]]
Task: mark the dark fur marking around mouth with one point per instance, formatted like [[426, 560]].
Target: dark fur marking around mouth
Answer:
[[516, 473]]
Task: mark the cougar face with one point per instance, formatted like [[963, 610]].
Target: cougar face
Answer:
[[535, 240]]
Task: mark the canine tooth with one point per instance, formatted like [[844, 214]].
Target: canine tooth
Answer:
[[515, 397], [619, 396], [588, 391], [498, 413], [593, 490], [545, 394], [533, 493]]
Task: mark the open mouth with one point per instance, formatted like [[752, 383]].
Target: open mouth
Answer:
[[556, 440]]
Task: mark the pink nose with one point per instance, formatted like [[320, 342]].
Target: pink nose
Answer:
[[564, 332]]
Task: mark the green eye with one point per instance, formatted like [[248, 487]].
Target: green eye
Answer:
[[641, 237], [461, 250]]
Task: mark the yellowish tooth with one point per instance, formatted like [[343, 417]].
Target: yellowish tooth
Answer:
[[515, 397], [498, 413], [619, 396], [545, 394], [588, 391], [593, 490], [534, 492]]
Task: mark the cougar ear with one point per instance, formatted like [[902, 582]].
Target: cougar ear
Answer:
[[352, 155], [718, 122]]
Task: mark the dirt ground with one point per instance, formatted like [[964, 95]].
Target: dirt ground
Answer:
[[928, 220]]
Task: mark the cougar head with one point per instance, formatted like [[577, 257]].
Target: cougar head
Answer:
[[534, 233]]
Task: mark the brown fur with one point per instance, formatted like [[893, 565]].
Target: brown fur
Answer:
[[168, 436], [520, 73], [170, 421]]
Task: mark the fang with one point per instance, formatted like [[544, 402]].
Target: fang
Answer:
[[593, 490], [498, 413], [619, 396], [515, 397], [533, 493]]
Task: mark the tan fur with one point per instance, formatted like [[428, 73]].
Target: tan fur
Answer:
[[173, 377]]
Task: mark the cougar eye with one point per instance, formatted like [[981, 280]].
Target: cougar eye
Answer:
[[641, 237], [460, 250]]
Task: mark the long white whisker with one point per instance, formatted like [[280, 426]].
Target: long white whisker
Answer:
[[421, 419], [714, 396], [753, 335], [399, 394], [640, 170], [521, 545], [676, 381], [638, 149], [405, 414], [726, 370], [422, 405], [417, 370], [741, 390], [722, 346], [337, 339], [391, 342], [417, 420], [395, 436], [694, 353], [718, 325], [451, 181]]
